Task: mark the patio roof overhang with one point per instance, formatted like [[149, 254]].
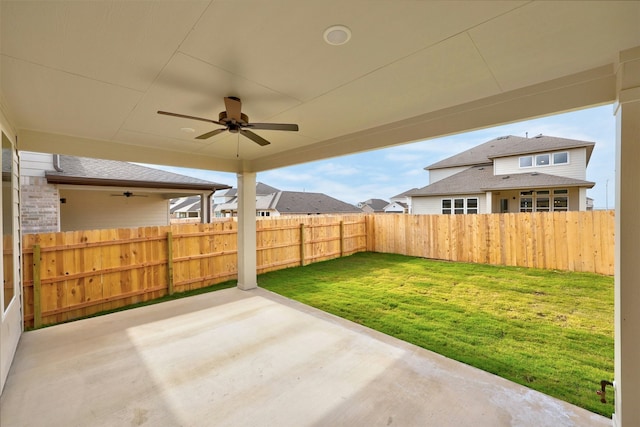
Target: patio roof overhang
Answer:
[[87, 78]]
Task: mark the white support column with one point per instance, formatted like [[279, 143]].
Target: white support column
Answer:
[[247, 264], [489, 202], [582, 199], [627, 242], [205, 211]]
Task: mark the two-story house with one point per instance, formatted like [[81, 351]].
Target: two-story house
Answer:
[[509, 174]]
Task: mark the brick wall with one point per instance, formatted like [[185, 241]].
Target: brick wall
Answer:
[[39, 205]]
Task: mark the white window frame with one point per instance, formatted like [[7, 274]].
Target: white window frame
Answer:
[[553, 158], [551, 195], [541, 155], [460, 209], [534, 159], [525, 157]]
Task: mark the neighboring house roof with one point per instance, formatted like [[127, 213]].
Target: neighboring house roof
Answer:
[[186, 204], [293, 202], [88, 171], [376, 205], [261, 189], [479, 179], [404, 194], [510, 146], [304, 203]]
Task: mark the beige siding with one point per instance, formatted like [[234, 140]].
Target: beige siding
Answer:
[[577, 167], [35, 164], [432, 205], [438, 174], [88, 210]]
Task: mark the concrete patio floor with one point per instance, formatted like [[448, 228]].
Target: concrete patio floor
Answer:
[[253, 358]]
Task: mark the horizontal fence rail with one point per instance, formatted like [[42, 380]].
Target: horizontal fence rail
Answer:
[[74, 274]]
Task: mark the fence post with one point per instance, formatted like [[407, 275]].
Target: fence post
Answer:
[[170, 262], [370, 233], [37, 288], [341, 239], [302, 245]]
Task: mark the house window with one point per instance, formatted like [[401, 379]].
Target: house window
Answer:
[[460, 206], [561, 158], [560, 200], [542, 159], [446, 206], [541, 201], [526, 201], [472, 206], [526, 161]]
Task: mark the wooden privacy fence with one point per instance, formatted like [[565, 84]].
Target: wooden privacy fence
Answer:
[[574, 241], [74, 274]]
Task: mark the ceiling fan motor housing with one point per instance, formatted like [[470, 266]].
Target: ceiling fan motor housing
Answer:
[[222, 118]]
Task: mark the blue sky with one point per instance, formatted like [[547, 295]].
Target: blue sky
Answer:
[[384, 173]]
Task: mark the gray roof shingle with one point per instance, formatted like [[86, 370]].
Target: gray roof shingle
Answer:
[[479, 179], [295, 202], [510, 146], [261, 190], [85, 170]]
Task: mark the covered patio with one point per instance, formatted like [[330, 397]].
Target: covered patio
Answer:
[[254, 358], [88, 79]]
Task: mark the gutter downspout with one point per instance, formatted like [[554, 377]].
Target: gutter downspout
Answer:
[[205, 207], [56, 163]]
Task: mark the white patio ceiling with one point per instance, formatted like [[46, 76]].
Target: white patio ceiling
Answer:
[[86, 78]]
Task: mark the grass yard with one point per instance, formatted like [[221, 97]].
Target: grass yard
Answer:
[[549, 330]]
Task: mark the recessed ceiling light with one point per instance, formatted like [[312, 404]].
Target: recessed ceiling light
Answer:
[[337, 35], [188, 130]]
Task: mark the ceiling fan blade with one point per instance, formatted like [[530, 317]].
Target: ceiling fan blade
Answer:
[[183, 116], [234, 108], [255, 138], [273, 126], [210, 134]]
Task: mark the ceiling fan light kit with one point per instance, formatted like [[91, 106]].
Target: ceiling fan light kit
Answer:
[[235, 121]]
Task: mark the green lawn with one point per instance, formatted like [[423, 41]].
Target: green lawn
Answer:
[[549, 330]]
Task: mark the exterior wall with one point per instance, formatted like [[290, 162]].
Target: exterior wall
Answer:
[[394, 208], [432, 205], [39, 208], [35, 164], [92, 209], [40, 205], [576, 168], [438, 174]]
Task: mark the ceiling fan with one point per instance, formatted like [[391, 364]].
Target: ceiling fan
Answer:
[[235, 121], [128, 194]]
